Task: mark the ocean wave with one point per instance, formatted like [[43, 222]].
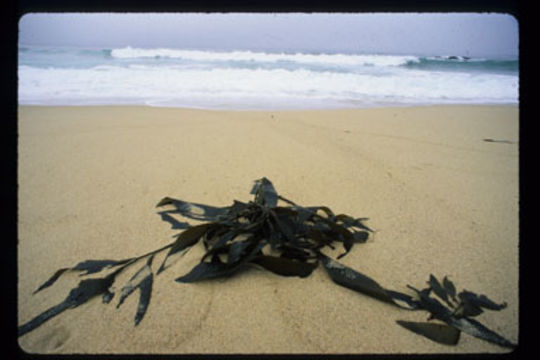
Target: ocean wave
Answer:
[[457, 58], [52, 57], [262, 57], [477, 65]]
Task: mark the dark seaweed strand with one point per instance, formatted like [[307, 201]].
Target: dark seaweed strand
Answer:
[[89, 270], [145, 289], [72, 301], [85, 290], [363, 284], [258, 214], [441, 333], [349, 278], [354, 280], [463, 321], [41, 318], [91, 266]]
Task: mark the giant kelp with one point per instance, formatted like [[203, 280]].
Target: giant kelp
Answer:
[[278, 235]]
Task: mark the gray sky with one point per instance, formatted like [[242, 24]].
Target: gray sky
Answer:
[[473, 34]]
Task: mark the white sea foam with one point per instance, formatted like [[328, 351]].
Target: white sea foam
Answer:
[[242, 87]]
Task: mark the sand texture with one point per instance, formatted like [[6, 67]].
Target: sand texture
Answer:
[[442, 201]]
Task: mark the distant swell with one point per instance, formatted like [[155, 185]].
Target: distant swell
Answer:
[[197, 55], [465, 65]]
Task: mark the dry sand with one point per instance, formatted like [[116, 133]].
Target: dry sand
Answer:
[[442, 200]]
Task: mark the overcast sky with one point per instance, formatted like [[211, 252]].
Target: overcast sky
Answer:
[[475, 34]]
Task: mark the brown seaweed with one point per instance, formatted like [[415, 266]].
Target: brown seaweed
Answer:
[[90, 288], [500, 141], [352, 279], [275, 234], [142, 280], [460, 310], [441, 333], [86, 290]]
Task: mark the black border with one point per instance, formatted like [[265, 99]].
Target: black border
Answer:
[[507, 6], [12, 12]]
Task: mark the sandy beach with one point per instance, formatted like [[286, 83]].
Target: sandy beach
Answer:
[[442, 201]]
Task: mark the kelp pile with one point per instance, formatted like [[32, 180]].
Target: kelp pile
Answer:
[[286, 239]]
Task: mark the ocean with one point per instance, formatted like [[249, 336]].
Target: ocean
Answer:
[[246, 80]]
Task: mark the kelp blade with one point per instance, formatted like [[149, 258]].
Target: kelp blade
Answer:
[[480, 301], [41, 318], [145, 289], [285, 267], [185, 239], [265, 193], [51, 280], [194, 211], [356, 281], [205, 270], [441, 333], [94, 266], [450, 288], [175, 224], [142, 280], [476, 329], [208, 270], [438, 289], [86, 290], [88, 266], [469, 326]]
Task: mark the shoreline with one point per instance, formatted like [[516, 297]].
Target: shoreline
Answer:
[[441, 200], [344, 108]]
